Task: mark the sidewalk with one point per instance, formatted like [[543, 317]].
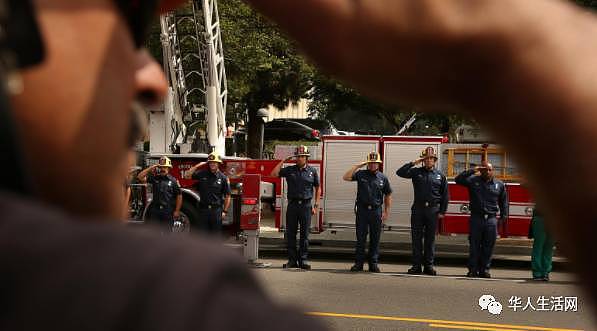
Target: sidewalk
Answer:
[[396, 246]]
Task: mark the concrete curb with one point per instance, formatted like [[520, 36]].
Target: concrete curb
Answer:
[[446, 254]]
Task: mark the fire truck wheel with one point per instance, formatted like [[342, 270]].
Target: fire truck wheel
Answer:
[[189, 218]]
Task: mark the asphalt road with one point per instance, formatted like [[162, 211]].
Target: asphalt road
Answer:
[[393, 300]]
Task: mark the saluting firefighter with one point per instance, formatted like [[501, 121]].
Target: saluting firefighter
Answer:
[[214, 192], [430, 204], [373, 193], [488, 197], [303, 187], [167, 197]]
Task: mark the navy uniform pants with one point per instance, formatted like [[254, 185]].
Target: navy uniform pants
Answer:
[[423, 227], [482, 236], [298, 216], [211, 218], [163, 217], [368, 221]]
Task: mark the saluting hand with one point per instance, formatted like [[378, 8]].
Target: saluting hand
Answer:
[[479, 168]]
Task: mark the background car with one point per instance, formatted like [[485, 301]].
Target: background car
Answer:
[[283, 129]]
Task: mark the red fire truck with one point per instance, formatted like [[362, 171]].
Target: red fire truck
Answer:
[[338, 196], [252, 184]]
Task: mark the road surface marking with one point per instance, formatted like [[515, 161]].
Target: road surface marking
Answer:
[[464, 327], [432, 321]]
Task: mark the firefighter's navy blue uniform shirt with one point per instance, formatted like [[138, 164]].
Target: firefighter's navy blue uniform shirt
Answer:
[[371, 187], [487, 197], [165, 189], [429, 185], [212, 187], [300, 181]]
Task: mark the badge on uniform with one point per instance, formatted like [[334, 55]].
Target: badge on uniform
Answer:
[[439, 176], [219, 181]]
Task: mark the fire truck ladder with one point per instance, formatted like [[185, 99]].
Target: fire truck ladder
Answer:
[[194, 65]]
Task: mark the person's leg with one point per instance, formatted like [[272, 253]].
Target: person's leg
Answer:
[[475, 236], [416, 230], [216, 216], [548, 248], [305, 225], [290, 233], [487, 244], [210, 224], [361, 232], [163, 218], [537, 259], [374, 238], [430, 230], [203, 220]]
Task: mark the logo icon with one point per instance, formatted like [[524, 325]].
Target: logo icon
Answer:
[[489, 303]]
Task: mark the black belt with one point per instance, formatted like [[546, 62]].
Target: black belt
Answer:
[[209, 206], [300, 201], [161, 207], [485, 215], [367, 206], [427, 204]]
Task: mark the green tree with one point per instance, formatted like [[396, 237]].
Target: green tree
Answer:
[[263, 67], [350, 111]]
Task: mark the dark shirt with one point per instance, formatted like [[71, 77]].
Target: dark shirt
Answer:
[[300, 181], [72, 274], [165, 190], [371, 187], [486, 197], [212, 187], [429, 185]]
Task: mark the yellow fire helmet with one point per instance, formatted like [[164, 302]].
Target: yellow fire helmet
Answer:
[[428, 152], [373, 157], [302, 151], [165, 162], [214, 157]]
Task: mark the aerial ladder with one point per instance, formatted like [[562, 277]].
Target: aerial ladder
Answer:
[[193, 60]]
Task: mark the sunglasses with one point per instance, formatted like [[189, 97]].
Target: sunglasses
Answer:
[[138, 15]]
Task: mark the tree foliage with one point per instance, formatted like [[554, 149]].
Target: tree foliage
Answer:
[[265, 68]]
